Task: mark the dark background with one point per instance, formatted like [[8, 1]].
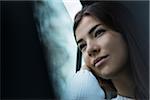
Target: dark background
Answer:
[[24, 71]]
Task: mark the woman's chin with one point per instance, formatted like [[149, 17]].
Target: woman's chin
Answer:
[[106, 75]]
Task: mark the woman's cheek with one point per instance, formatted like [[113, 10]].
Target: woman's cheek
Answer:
[[87, 61]]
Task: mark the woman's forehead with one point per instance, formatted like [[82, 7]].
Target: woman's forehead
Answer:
[[86, 23]]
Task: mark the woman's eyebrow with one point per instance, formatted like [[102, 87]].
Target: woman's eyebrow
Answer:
[[90, 31], [93, 28]]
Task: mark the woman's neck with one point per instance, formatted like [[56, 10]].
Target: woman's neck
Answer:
[[124, 84]]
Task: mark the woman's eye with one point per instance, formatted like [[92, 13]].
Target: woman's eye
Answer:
[[82, 46], [99, 32]]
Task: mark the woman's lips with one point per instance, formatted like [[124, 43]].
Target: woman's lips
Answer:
[[99, 61]]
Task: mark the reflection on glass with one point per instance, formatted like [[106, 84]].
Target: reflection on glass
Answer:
[[56, 35]]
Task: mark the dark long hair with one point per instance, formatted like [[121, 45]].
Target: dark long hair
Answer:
[[117, 17]]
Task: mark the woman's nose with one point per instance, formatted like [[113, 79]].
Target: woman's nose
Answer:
[[93, 50]]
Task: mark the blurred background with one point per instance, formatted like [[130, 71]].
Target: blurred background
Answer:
[[55, 22], [38, 48]]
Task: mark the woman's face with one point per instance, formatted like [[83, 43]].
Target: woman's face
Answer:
[[104, 50]]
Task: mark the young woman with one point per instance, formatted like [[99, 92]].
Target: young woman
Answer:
[[105, 33]]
